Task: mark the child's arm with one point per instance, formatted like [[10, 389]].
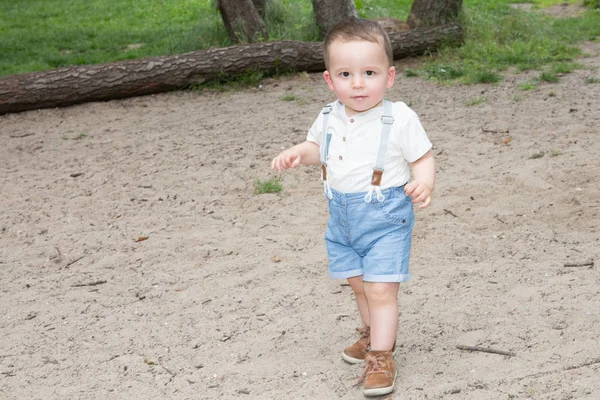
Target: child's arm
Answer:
[[306, 153], [423, 172]]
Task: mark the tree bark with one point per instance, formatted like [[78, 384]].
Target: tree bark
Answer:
[[330, 12], [433, 12], [242, 21], [261, 7], [74, 85]]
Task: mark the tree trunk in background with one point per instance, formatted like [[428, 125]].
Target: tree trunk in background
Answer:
[[433, 12], [242, 21], [74, 85], [329, 12], [261, 7]]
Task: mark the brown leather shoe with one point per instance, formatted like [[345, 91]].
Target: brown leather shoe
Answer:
[[379, 375], [355, 354]]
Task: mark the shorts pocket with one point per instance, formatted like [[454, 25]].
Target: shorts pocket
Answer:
[[397, 209]]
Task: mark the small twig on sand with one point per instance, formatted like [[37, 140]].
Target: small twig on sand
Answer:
[[20, 136], [494, 130], [450, 212], [585, 364], [485, 350], [167, 369], [583, 264], [160, 363], [498, 218], [88, 284], [73, 262]]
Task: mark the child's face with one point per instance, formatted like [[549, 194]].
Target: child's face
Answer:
[[359, 73]]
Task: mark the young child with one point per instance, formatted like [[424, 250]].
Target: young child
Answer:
[[369, 231]]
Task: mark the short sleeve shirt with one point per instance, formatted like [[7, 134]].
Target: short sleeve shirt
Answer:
[[355, 144]]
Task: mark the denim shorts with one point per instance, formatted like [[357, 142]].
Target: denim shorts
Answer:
[[370, 239]]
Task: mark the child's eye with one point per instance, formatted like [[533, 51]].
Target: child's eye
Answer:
[[345, 74], [370, 73]]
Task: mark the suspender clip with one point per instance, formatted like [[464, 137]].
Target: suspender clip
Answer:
[[387, 120], [376, 177]]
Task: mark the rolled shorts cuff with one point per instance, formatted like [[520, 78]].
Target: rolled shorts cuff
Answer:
[[345, 274], [386, 278]]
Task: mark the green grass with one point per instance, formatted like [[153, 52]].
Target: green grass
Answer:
[[563, 67], [289, 97], [46, 34], [528, 85], [410, 72], [549, 77], [498, 38], [476, 101], [272, 185], [592, 79]]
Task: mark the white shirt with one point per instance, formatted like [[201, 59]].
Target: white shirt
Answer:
[[355, 144]]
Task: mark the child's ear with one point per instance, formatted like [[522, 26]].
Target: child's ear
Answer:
[[391, 77], [327, 77]]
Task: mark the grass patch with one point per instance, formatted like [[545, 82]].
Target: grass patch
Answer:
[[549, 77], [272, 185], [498, 37], [443, 72], [486, 77], [410, 73], [527, 86], [592, 79], [476, 101], [289, 97], [46, 34], [563, 67]]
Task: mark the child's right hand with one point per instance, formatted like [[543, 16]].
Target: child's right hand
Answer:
[[289, 158]]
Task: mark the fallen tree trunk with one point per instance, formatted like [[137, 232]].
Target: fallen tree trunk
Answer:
[[74, 85]]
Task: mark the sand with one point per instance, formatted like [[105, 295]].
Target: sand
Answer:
[[138, 264]]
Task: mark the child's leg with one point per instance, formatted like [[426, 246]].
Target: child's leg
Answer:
[[358, 287], [382, 299]]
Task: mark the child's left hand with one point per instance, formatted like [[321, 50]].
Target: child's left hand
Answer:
[[419, 192]]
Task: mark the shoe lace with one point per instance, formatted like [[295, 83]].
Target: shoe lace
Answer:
[[373, 365], [365, 334]]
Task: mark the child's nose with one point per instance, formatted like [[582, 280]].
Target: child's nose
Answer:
[[357, 82]]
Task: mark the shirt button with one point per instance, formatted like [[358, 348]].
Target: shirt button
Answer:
[[344, 139], [341, 158], [351, 120]]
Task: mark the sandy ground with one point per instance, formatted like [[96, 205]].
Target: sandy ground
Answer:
[[228, 296]]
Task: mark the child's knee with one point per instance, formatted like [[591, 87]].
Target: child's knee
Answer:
[[381, 291], [357, 285]]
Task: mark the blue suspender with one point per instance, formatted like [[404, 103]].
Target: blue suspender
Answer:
[[387, 121], [325, 142]]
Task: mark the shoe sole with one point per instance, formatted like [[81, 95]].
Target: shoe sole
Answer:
[[380, 391], [352, 360]]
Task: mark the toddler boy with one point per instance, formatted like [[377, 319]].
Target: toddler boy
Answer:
[[369, 232]]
